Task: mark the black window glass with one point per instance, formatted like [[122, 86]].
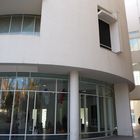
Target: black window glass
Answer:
[[104, 33]]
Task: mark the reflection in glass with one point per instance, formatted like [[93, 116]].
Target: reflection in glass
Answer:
[[17, 138], [42, 84], [37, 25], [31, 117], [62, 86], [91, 115], [52, 137], [101, 109], [8, 83], [0, 82], [19, 117], [109, 113], [44, 113], [61, 120], [6, 100], [87, 88], [22, 83], [28, 24], [16, 24], [4, 137], [4, 24]]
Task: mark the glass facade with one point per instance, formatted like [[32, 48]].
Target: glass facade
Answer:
[[23, 24], [33, 107], [97, 110], [36, 106]]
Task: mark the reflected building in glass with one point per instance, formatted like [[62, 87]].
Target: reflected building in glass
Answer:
[[59, 79]]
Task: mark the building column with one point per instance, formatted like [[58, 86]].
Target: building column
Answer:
[[123, 110], [74, 105]]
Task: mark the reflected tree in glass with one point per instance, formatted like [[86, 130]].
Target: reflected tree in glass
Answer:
[[19, 117], [6, 101], [61, 122]]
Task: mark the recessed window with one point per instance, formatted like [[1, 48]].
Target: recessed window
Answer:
[[104, 34], [109, 31], [27, 24]]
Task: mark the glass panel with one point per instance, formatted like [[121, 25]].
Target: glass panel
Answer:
[[101, 93], [108, 92], [44, 113], [91, 115], [16, 24], [101, 110], [6, 101], [4, 24], [4, 137], [104, 34], [61, 120], [62, 86], [109, 113], [19, 118], [17, 138], [31, 117], [0, 82], [37, 25], [82, 114], [42, 84], [22, 83], [28, 24], [55, 137], [87, 88], [8, 83]]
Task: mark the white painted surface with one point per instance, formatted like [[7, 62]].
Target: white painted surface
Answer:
[[70, 37], [74, 106], [123, 110]]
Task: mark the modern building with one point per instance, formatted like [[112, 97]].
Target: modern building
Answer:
[[133, 20], [65, 69]]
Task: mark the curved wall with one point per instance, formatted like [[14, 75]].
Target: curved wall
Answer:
[[69, 37]]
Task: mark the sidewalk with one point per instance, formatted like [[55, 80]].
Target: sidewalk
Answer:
[[135, 137]]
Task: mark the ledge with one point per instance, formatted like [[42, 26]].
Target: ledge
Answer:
[[107, 17]]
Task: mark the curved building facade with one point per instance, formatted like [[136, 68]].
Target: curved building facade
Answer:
[[65, 70]]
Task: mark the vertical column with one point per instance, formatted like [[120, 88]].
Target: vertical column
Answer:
[[74, 106], [123, 110]]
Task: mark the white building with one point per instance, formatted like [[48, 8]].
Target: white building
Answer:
[[133, 19], [65, 69]]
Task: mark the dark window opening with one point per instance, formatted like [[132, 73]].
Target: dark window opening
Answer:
[[104, 34]]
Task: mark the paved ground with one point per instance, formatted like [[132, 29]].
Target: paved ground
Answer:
[[135, 137]]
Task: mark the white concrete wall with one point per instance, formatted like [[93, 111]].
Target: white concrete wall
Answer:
[[70, 37], [123, 110]]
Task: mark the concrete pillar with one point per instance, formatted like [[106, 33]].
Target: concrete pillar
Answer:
[[74, 106], [123, 111]]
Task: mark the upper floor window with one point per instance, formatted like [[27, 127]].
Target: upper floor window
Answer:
[[109, 31], [29, 24], [104, 34]]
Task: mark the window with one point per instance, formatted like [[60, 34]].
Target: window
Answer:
[[21, 24], [104, 33], [109, 31]]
